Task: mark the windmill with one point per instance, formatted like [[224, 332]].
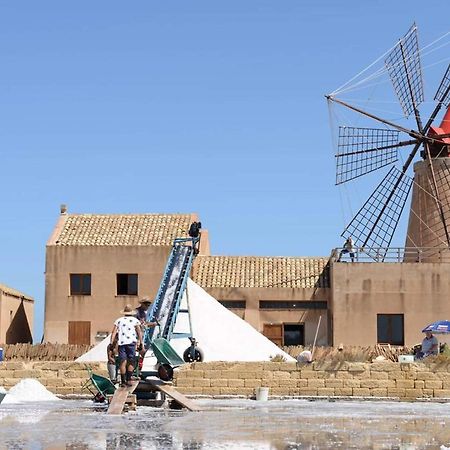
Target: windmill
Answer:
[[364, 150]]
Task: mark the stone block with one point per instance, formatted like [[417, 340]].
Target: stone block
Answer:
[[327, 392], [376, 375], [343, 391], [27, 373], [316, 383], [196, 374], [271, 365], [419, 384], [64, 390], [444, 376], [383, 366], [413, 393], [282, 375], [397, 375], [406, 384], [219, 382], [379, 392], [307, 391], [371, 384], [212, 391], [236, 383], [353, 383], [252, 383], [396, 392], [428, 393], [271, 383], [433, 384], [7, 373], [52, 382], [185, 382], [201, 382], [341, 375], [73, 382], [333, 383], [426, 376], [10, 382], [279, 391], [357, 367], [308, 374], [302, 383], [441, 393], [12, 365], [234, 391], [245, 375], [212, 374], [288, 366], [288, 382], [361, 392]]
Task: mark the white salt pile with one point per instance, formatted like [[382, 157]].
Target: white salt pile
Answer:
[[29, 390], [221, 334], [3, 390]]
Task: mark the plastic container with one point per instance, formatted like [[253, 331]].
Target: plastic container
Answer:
[[1, 354], [405, 358], [262, 394]]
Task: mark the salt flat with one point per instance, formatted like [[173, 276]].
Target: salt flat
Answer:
[[228, 424]]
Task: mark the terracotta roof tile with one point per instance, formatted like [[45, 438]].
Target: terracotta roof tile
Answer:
[[261, 271], [123, 229], [14, 292]]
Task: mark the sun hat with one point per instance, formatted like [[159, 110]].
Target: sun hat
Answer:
[[145, 300], [128, 311]]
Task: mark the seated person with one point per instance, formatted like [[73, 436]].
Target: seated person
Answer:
[[430, 346]]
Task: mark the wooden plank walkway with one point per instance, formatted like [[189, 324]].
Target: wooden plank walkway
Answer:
[[173, 393], [120, 397]]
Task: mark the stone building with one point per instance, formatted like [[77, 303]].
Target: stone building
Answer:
[[95, 264], [16, 316]]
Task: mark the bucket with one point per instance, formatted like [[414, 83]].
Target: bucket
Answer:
[[262, 394], [1, 354]]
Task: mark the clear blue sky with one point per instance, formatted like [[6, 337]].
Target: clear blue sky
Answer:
[[181, 106]]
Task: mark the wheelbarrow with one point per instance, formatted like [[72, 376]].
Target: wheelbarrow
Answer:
[[100, 387], [167, 358]]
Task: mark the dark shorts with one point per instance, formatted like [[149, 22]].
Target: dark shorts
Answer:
[[127, 351]]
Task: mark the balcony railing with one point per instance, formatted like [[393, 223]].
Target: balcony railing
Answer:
[[393, 254]]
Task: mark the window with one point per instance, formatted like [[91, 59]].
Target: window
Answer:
[[285, 333], [293, 334], [80, 284], [269, 304], [390, 329], [233, 304], [127, 284]]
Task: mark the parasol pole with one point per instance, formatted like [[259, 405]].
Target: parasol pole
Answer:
[[315, 337]]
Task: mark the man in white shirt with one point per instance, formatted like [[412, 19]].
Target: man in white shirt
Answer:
[[128, 331]]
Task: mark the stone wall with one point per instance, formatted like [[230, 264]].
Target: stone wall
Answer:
[[343, 379], [59, 377], [383, 379]]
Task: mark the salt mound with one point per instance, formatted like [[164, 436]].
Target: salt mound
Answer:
[[29, 390], [3, 390]]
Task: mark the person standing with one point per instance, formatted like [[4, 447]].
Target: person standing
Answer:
[[141, 314], [128, 331], [348, 248]]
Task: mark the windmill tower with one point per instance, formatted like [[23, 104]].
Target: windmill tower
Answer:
[[363, 150]]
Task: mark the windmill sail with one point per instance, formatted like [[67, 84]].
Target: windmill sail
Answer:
[[363, 150], [375, 223], [403, 65]]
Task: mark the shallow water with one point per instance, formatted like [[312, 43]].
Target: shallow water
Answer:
[[228, 424]]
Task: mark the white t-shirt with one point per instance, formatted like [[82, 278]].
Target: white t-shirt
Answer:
[[126, 330]]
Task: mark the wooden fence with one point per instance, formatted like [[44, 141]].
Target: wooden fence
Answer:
[[40, 352]]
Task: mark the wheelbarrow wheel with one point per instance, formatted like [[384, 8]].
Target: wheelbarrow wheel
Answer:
[[165, 372], [193, 354]]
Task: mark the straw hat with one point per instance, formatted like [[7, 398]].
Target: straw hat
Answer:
[[145, 300], [128, 311]]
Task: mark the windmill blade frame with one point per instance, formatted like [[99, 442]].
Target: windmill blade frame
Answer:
[[404, 68], [364, 150], [373, 226]]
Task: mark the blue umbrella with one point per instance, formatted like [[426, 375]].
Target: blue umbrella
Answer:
[[441, 326]]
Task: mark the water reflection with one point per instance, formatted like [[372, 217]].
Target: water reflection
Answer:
[[76, 425]]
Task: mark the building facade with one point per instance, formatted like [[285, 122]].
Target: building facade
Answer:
[[16, 316], [96, 264]]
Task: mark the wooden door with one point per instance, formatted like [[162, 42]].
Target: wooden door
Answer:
[[79, 333], [274, 332]]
